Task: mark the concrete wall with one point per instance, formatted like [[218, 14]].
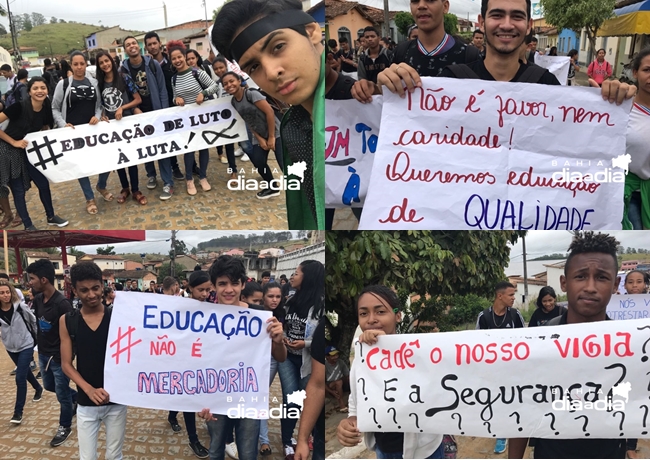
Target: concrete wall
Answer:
[[288, 263], [352, 20]]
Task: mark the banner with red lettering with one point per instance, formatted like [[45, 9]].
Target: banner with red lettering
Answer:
[[568, 381], [492, 155]]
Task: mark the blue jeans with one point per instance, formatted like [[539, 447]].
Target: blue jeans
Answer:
[[43, 186], [190, 423], [88, 189], [101, 181], [22, 359], [165, 166], [634, 211], [289, 371], [89, 421], [264, 424], [247, 145], [56, 381], [247, 432], [18, 191], [230, 155], [204, 157], [438, 453]]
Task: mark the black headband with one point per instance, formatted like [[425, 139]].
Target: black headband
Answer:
[[265, 26], [199, 277]]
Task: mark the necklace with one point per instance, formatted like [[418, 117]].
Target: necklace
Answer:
[[494, 319]]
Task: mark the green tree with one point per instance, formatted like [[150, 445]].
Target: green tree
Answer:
[[165, 271], [576, 14], [27, 22], [451, 24], [73, 251], [425, 263], [181, 248], [107, 251], [53, 20], [3, 31], [54, 251], [38, 19], [62, 21], [403, 21], [193, 251]]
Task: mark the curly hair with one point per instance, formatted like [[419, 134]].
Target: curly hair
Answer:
[[586, 242]]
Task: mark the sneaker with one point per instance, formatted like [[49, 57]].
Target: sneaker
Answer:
[[38, 376], [500, 446], [60, 436], [199, 450], [175, 426], [152, 183], [288, 453], [239, 152], [244, 157], [14, 371], [56, 220], [32, 366], [191, 188], [294, 443], [167, 192], [223, 159], [16, 419], [38, 395], [178, 175], [267, 193], [31, 228], [231, 451]]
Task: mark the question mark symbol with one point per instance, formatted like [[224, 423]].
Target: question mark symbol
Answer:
[[374, 416], [645, 416], [517, 414], [363, 386], [416, 420], [645, 358], [488, 425], [552, 422], [460, 418], [620, 426], [394, 415], [584, 427], [361, 351]]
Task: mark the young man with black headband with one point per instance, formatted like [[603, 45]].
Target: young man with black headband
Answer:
[[590, 278], [280, 47]]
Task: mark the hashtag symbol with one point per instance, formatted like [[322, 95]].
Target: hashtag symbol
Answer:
[[37, 149], [128, 347]]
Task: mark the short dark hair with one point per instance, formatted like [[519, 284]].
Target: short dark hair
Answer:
[[82, 271], [385, 293], [149, 35], [130, 36], [47, 62], [343, 40], [75, 54], [502, 286], [332, 43], [6, 68], [574, 52], [250, 288], [271, 285], [603, 50], [4, 276], [477, 31], [533, 39], [237, 14], [42, 268], [230, 73], [229, 266], [168, 282], [484, 7], [92, 61], [546, 290], [636, 62], [266, 273], [370, 29], [118, 286], [589, 242], [22, 73]]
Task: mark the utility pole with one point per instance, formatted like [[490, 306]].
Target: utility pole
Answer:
[[12, 30], [205, 7], [386, 19], [165, 11], [523, 240], [172, 262]]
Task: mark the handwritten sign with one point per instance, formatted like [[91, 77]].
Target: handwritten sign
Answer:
[[351, 136], [65, 154], [570, 381], [512, 156], [629, 306], [557, 65], [173, 353]]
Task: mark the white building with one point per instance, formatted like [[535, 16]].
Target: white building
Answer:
[[105, 262], [288, 262]]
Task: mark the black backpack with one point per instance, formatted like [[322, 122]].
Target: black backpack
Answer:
[[279, 107], [531, 75], [72, 324], [13, 96]]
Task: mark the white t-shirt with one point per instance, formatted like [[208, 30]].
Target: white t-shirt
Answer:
[[638, 141]]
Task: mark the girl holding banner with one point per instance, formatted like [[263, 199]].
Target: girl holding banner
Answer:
[[120, 97], [379, 312], [32, 114]]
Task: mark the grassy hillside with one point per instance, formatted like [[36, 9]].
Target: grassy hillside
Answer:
[[63, 37]]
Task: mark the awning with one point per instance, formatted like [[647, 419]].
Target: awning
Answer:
[[629, 20]]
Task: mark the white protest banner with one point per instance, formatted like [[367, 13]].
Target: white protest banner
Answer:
[[506, 156], [64, 154], [569, 381], [173, 353], [629, 306], [351, 136], [557, 65]]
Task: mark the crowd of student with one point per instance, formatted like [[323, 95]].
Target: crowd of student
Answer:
[[76, 94], [297, 305], [503, 49], [590, 278]]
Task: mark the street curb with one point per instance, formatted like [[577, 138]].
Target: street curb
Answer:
[[349, 452]]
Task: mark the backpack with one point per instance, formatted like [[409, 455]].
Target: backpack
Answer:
[[53, 79], [531, 75], [13, 96], [28, 324], [72, 325], [279, 107], [195, 74], [471, 52]]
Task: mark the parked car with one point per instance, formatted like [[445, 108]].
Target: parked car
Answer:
[[34, 72]]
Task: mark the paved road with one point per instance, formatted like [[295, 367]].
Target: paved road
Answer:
[[148, 435]]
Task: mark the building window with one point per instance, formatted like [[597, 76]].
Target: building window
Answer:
[[56, 265], [360, 33], [199, 46], [345, 32]]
